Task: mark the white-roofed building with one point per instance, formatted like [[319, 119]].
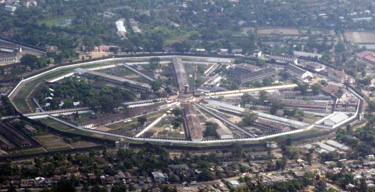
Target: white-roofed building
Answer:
[[121, 30], [239, 111], [306, 54], [326, 147], [10, 8], [337, 145], [335, 119], [299, 73]]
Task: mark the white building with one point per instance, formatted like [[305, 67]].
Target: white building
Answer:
[[121, 30], [10, 8], [335, 119], [337, 145], [306, 54], [299, 73]]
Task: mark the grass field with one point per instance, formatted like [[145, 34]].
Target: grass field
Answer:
[[27, 152], [52, 142], [61, 127], [278, 31], [83, 144], [50, 22]]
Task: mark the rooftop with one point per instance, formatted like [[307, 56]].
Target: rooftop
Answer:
[[193, 123], [248, 66], [180, 73], [113, 78], [338, 117]]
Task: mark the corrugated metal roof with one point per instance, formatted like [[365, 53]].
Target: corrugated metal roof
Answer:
[[338, 117]]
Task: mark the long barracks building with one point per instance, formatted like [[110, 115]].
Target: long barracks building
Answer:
[[118, 80]]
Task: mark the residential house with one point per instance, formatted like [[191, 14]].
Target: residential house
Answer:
[[30, 3], [10, 8], [159, 177]]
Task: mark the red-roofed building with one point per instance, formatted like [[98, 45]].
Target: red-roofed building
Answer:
[[367, 56], [193, 124], [331, 89], [337, 75]]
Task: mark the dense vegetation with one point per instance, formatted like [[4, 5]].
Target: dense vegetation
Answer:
[[105, 99]]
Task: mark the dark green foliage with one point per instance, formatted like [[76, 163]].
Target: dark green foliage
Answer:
[[11, 189], [246, 99], [119, 188], [64, 186], [316, 88], [33, 62], [210, 130], [176, 122], [177, 111], [249, 118], [302, 87], [154, 63], [156, 85], [97, 188], [142, 120], [105, 99]]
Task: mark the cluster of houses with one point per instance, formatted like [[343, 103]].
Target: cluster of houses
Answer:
[[180, 173], [12, 5], [90, 178]]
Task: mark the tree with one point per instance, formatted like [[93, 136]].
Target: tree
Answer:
[[303, 88], [246, 99], [340, 92], [96, 188], [85, 188], [267, 82], [340, 47], [262, 96], [181, 47], [176, 122], [321, 185], [210, 130], [156, 85], [276, 105], [206, 175], [11, 189], [154, 63], [371, 105], [281, 163], [119, 188], [249, 118], [323, 82], [132, 187], [363, 185], [29, 61], [144, 95], [168, 90], [316, 88], [64, 186], [238, 150], [177, 111], [285, 76], [45, 189], [142, 120]]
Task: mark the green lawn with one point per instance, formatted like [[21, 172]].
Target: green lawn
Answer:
[[61, 127], [50, 22]]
